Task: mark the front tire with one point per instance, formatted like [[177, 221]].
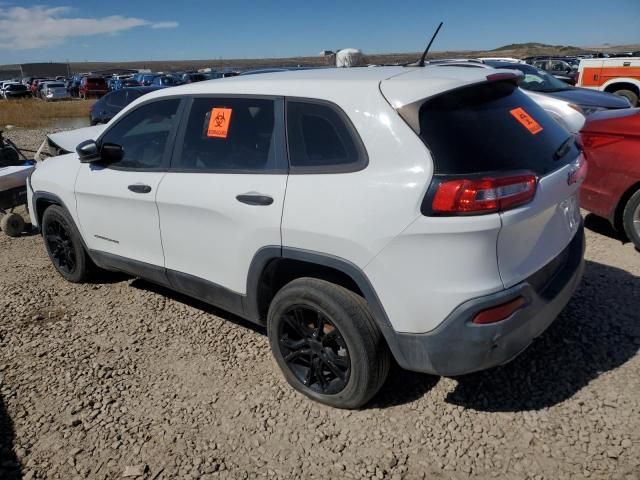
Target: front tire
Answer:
[[326, 343], [64, 245], [631, 219]]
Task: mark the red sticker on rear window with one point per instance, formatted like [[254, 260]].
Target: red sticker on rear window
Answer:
[[526, 120], [219, 123]]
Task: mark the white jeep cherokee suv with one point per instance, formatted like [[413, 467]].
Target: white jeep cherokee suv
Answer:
[[427, 214]]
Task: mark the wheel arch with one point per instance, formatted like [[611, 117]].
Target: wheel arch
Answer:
[[622, 84], [273, 267], [43, 200]]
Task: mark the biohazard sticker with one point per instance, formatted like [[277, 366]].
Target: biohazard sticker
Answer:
[[219, 121], [526, 120]]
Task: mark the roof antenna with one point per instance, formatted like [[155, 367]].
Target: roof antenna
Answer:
[[426, 50]]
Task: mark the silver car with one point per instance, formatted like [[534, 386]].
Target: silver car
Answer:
[[54, 91]]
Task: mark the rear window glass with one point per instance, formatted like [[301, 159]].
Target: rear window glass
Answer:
[[16, 88], [491, 127]]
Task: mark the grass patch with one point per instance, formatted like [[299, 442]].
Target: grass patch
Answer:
[[31, 112]]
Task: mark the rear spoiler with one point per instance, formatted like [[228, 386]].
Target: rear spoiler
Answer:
[[411, 112]]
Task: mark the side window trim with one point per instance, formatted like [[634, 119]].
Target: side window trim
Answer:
[[363, 156], [279, 145], [166, 155]]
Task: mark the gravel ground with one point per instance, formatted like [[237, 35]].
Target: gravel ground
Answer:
[[122, 377]]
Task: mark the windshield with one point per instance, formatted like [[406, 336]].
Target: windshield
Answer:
[[540, 81]]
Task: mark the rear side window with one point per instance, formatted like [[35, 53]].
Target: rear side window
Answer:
[[492, 127], [322, 139], [231, 135]]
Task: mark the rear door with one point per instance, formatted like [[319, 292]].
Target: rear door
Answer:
[[494, 129], [222, 200]]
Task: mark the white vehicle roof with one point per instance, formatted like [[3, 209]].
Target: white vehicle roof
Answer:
[[401, 85]]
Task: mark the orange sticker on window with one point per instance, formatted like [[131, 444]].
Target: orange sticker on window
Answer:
[[219, 121], [525, 119]]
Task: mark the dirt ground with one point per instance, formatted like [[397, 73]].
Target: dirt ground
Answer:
[[98, 378]]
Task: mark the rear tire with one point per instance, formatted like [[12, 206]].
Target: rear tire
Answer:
[[631, 219], [64, 245], [12, 225], [326, 343], [629, 95]]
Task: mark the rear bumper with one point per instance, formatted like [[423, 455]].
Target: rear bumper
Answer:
[[458, 346]]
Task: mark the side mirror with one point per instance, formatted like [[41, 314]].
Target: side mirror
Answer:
[[111, 152], [88, 151]]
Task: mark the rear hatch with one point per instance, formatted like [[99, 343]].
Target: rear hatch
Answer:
[[491, 130]]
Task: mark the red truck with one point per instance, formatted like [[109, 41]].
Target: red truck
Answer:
[[92, 87]]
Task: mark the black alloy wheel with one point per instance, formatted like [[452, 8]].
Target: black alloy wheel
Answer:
[[60, 246], [314, 350]]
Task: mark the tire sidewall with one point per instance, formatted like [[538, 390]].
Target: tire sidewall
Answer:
[[12, 225], [627, 219], [350, 396], [56, 213], [629, 95]]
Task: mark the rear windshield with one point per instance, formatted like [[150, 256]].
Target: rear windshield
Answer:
[[492, 127], [16, 88]]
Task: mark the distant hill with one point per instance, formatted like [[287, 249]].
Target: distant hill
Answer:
[[517, 50]]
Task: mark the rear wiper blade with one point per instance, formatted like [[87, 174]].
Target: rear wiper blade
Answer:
[[564, 148]]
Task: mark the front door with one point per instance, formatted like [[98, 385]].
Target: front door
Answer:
[[116, 201]]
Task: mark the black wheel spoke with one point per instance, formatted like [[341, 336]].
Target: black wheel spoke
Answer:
[[334, 369], [292, 344], [295, 354], [319, 330], [313, 349]]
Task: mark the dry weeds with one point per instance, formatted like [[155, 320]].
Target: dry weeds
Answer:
[[31, 112]]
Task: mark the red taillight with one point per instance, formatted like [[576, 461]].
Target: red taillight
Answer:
[[597, 140], [483, 195], [501, 312]]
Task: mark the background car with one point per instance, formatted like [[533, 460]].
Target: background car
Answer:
[[611, 142], [537, 80], [53, 91], [92, 87], [561, 68], [147, 79], [194, 77], [15, 90], [110, 104], [121, 83], [164, 81]]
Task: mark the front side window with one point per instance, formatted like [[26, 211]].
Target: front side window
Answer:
[[230, 135], [322, 139], [143, 134]]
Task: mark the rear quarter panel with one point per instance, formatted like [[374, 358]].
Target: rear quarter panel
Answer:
[[354, 215]]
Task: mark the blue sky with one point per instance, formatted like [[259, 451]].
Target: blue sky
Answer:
[[99, 30]]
